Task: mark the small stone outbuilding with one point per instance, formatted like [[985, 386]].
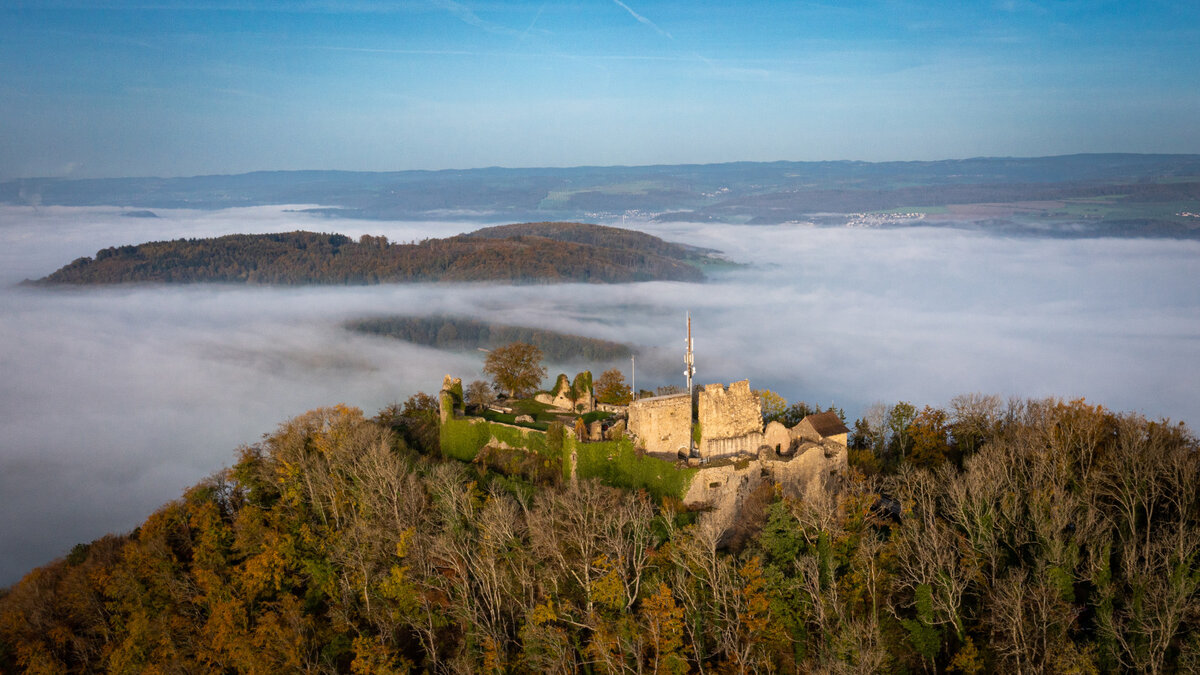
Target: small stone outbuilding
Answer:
[[821, 428]]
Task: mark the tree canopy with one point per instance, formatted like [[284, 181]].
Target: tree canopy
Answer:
[[515, 368], [612, 389], [1042, 536]]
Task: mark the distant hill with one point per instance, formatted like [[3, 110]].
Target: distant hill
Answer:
[[446, 332], [1102, 194], [583, 253], [593, 235]]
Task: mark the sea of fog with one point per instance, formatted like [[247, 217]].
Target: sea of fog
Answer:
[[112, 401]]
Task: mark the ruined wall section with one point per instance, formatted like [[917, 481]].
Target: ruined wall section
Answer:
[[662, 425], [720, 490], [747, 444], [576, 397], [730, 420], [450, 398], [814, 470]]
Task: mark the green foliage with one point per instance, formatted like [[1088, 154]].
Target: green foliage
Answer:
[[1062, 581], [780, 537], [899, 420], [583, 380], [924, 637], [562, 384], [510, 418], [462, 440], [555, 433], [595, 415], [456, 391], [617, 463]]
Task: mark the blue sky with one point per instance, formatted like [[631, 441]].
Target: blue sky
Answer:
[[115, 88]]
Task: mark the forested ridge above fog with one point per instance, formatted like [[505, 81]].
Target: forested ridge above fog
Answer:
[[450, 332], [541, 252], [1038, 536]]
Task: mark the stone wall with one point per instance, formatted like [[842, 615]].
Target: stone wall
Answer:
[[450, 398], [777, 437], [729, 414], [662, 425], [747, 444], [720, 491], [810, 472]]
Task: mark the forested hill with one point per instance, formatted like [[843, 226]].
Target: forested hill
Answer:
[[446, 332], [1041, 537], [584, 253]]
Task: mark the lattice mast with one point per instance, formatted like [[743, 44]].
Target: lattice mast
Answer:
[[689, 359], [689, 370]]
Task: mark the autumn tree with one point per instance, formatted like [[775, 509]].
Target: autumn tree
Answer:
[[416, 421], [611, 388], [773, 405], [928, 432], [516, 368]]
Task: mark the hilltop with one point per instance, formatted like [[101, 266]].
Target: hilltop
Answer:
[[530, 253], [344, 544]]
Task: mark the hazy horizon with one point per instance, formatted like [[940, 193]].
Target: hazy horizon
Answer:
[[516, 167]]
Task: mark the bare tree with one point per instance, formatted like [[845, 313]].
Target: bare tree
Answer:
[[480, 394]]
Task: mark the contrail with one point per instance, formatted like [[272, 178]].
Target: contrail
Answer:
[[644, 20]]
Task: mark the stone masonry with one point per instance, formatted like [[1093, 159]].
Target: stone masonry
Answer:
[[662, 425], [730, 420]]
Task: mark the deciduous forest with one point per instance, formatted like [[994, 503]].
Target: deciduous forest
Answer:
[[447, 332], [1020, 536], [610, 255]]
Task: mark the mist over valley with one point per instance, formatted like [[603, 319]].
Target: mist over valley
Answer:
[[115, 399]]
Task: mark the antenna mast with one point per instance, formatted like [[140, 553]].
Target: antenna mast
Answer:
[[689, 360]]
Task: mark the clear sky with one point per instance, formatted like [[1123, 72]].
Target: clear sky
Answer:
[[158, 87]]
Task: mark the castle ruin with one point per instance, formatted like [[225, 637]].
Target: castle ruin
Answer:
[[717, 431]]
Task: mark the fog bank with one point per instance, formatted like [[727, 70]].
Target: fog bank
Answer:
[[116, 399]]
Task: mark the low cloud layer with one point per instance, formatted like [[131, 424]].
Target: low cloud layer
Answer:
[[115, 400]]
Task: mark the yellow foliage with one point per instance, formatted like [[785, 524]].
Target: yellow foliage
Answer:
[[968, 660], [373, 657], [609, 589], [543, 613]]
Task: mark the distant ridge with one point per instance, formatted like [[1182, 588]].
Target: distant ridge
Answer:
[[1142, 194], [545, 253]]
